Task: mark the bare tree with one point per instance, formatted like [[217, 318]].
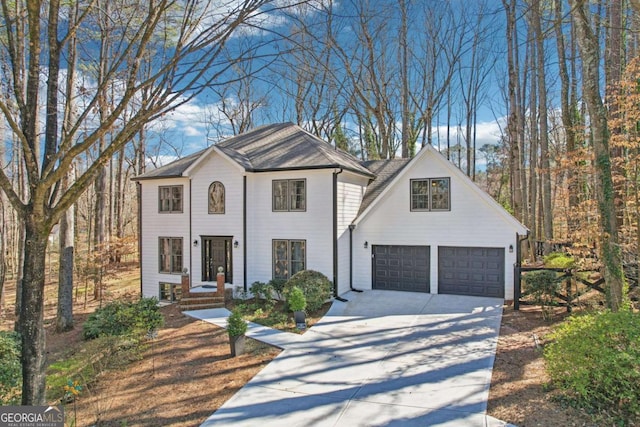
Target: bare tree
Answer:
[[185, 62], [609, 247]]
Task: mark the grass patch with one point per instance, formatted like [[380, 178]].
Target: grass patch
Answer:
[[274, 314]]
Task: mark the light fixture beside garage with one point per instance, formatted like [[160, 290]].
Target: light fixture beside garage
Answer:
[[366, 245], [510, 249]]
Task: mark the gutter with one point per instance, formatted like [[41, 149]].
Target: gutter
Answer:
[[351, 228], [335, 236]]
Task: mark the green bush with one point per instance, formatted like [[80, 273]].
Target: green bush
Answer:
[[123, 318], [314, 285], [558, 260], [10, 368], [262, 291], [278, 286], [236, 326], [296, 299], [595, 360], [542, 285]]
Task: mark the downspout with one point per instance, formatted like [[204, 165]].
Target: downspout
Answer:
[[190, 237], [335, 236], [139, 194], [351, 228], [244, 232]]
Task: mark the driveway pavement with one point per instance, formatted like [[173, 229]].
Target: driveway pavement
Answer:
[[383, 358]]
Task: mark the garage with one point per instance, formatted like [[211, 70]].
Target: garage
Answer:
[[471, 271], [401, 268]]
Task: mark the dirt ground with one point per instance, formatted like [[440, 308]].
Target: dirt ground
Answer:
[[519, 392], [187, 373]]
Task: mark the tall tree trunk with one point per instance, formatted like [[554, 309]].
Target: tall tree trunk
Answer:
[[610, 250], [545, 163], [31, 326], [64, 316]]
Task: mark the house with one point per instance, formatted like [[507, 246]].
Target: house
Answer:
[[276, 200]]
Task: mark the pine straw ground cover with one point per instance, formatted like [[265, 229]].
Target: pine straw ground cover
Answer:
[[186, 373]]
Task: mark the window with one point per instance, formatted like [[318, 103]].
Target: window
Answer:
[[216, 198], [430, 194], [289, 257], [170, 255], [170, 292], [289, 195], [170, 198]]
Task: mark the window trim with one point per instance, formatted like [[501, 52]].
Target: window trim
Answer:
[[430, 194], [171, 267], [273, 256], [288, 195], [171, 200], [224, 195]]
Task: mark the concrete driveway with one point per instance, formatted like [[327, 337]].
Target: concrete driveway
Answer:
[[383, 358]]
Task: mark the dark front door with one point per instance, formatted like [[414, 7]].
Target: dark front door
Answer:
[[401, 268], [216, 252]]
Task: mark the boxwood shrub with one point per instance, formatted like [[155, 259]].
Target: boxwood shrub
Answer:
[[123, 318], [315, 286], [10, 368], [595, 360]]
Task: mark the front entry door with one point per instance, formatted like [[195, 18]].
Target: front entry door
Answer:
[[216, 252]]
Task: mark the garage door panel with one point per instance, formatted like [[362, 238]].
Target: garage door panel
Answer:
[[471, 271], [401, 268]]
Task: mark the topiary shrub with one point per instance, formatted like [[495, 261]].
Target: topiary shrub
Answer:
[[236, 325], [296, 299], [315, 286], [10, 368], [123, 318], [594, 359]]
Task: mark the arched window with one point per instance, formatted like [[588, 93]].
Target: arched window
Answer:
[[216, 198]]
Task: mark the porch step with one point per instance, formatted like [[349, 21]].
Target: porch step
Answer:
[[201, 306], [201, 302]]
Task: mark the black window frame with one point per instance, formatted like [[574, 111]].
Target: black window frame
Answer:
[[430, 194], [172, 268], [171, 200], [289, 195], [289, 260]]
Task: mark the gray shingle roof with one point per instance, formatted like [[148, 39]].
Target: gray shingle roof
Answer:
[[385, 171], [280, 146]]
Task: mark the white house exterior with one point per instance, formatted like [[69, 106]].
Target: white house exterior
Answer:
[[277, 200]]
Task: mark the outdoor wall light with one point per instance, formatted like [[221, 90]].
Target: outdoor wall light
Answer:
[[510, 249], [195, 243], [366, 245], [236, 244]]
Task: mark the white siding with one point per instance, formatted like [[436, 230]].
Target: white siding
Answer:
[[351, 189], [229, 224], [315, 225], [156, 225], [472, 221]]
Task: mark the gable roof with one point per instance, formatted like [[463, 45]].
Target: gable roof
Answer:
[[395, 175], [282, 146]]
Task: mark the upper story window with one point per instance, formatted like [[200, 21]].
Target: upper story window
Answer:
[[289, 195], [216, 198], [170, 252], [430, 194], [170, 198]]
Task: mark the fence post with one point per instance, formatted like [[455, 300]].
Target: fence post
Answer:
[[516, 287]]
